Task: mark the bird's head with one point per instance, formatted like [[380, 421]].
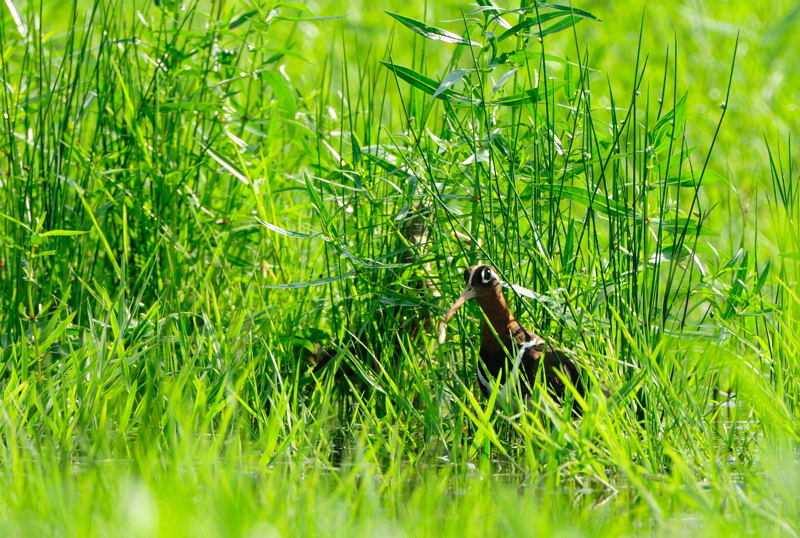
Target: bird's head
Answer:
[[480, 281]]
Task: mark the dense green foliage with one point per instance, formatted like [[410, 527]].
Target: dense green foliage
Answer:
[[228, 230]]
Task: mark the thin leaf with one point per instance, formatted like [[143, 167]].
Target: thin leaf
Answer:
[[503, 80], [677, 225], [569, 17], [229, 166], [54, 333], [563, 24], [379, 156], [571, 10], [528, 22], [692, 179], [762, 278], [309, 283], [528, 96], [299, 6], [64, 233], [594, 201], [241, 19], [281, 90], [451, 80], [431, 32], [284, 231], [669, 123], [308, 19], [674, 161], [678, 251], [15, 221], [736, 292], [22, 28], [427, 85], [99, 229], [556, 307], [735, 259]]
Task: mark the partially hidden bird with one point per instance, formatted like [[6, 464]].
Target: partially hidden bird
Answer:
[[511, 356]]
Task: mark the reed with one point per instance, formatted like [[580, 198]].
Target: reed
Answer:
[[228, 232]]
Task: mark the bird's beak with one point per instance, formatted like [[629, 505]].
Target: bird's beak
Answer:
[[468, 294]]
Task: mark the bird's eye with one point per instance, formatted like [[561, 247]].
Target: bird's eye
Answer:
[[487, 275], [466, 276]]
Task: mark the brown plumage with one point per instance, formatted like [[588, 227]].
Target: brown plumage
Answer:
[[508, 350]]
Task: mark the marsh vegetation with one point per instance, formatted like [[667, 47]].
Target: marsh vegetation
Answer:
[[228, 231]]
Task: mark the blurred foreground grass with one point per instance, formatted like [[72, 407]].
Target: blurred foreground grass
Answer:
[[199, 201]]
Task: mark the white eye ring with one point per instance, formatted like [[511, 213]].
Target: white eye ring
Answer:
[[487, 276]]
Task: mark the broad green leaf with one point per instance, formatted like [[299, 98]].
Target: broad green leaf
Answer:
[[56, 329], [229, 166], [671, 252], [762, 278], [529, 22], [19, 20], [427, 85], [63, 233], [319, 206], [241, 19], [384, 163], [496, 13], [569, 16], [670, 124], [737, 289], [528, 96], [281, 90], [557, 27], [505, 78], [594, 201], [15, 221], [692, 179], [571, 10], [678, 225], [674, 161], [451, 80], [735, 260], [431, 32], [284, 231]]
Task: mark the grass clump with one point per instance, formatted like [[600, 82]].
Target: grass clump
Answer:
[[226, 245]]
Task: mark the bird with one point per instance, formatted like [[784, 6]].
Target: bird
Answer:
[[510, 354]]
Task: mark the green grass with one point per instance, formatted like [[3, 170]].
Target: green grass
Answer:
[[199, 202]]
